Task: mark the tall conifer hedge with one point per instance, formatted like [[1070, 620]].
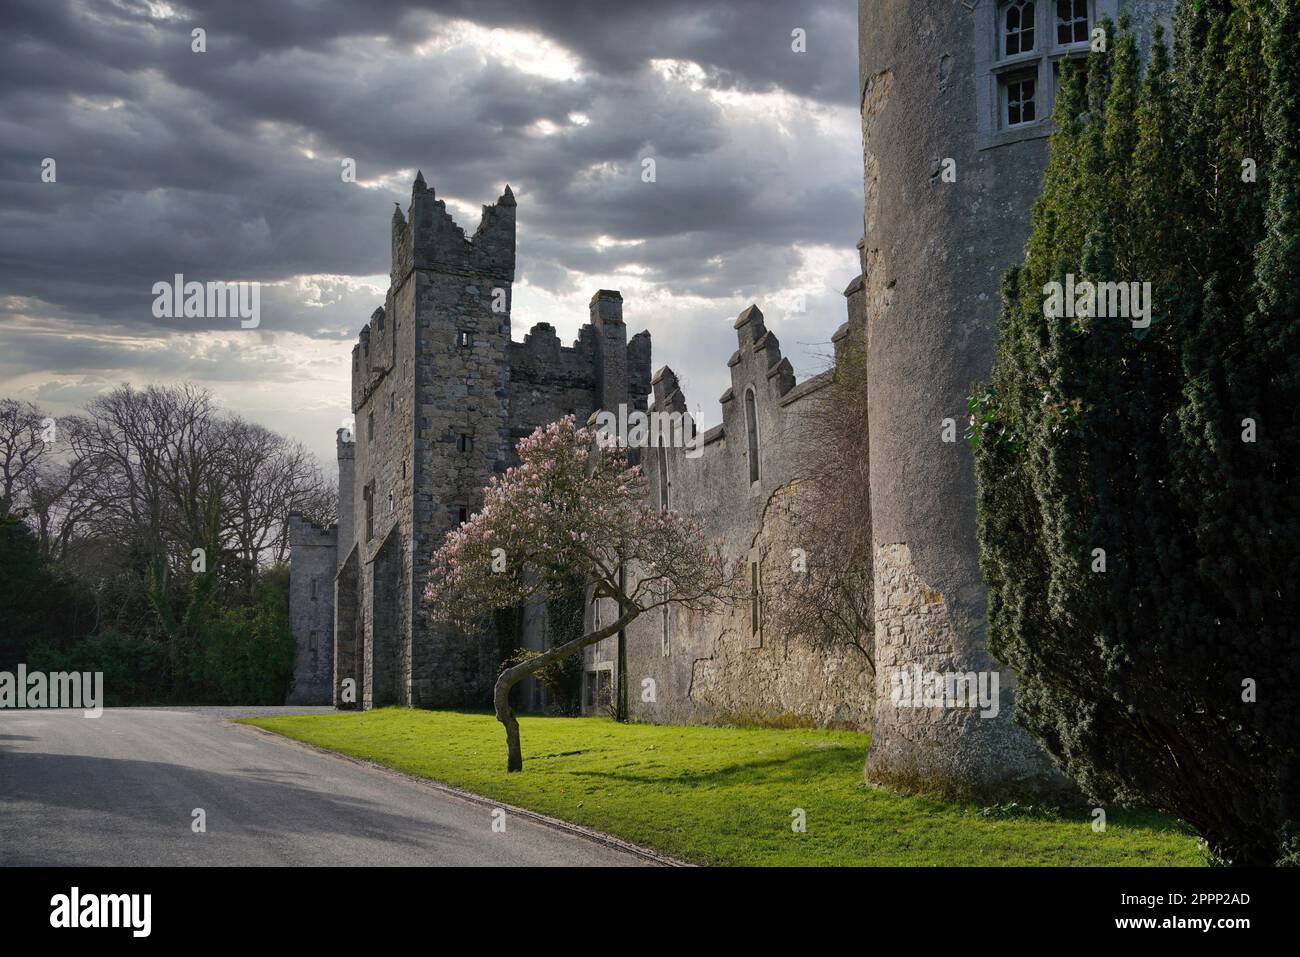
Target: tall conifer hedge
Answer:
[[1139, 504]]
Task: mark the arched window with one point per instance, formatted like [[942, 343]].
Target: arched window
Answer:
[[751, 432], [1017, 27]]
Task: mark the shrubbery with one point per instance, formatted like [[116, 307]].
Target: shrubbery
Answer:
[[1139, 503]]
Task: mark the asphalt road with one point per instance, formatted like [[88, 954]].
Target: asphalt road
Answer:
[[122, 789]]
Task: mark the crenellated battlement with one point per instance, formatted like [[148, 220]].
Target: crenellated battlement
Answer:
[[756, 366], [427, 237], [306, 534]]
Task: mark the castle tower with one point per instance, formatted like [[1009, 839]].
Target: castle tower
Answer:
[[440, 394], [606, 311], [460, 297], [313, 555], [934, 247], [430, 400]]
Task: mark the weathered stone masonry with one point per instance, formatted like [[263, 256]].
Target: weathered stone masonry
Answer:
[[732, 666], [311, 609], [933, 252], [440, 396]]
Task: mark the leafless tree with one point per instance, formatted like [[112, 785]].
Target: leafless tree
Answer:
[[270, 478], [61, 496], [22, 446]]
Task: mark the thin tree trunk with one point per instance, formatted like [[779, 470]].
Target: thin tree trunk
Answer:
[[512, 676]]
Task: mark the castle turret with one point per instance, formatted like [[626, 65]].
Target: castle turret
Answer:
[[948, 187], [606, 312], [456, 296], [638, 369], [312, 562]]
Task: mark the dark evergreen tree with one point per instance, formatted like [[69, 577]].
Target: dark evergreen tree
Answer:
[[1139, 504], [37, 604]]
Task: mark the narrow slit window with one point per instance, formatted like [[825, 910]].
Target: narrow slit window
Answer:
[[665, 620], [663, 479], [751, 427]]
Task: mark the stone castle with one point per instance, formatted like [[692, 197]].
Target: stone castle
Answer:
[[441, 393], [440, 397]]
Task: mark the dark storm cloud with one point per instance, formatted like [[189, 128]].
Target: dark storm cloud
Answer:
[[225, 165]]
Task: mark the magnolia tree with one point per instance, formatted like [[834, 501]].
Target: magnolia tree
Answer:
[[571, 509]]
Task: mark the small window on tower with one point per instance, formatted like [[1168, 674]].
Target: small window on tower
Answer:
[[462, 514], [368, 494], [465, 338], [465, 443], [370, 426]]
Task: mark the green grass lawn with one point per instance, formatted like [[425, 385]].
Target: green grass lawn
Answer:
[[725, 795]]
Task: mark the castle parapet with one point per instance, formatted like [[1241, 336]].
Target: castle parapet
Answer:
[[428, 238]]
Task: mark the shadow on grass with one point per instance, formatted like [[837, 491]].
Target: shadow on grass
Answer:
[[798, 766], [833, 763]]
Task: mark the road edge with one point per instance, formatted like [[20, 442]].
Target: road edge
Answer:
[[555, 823]]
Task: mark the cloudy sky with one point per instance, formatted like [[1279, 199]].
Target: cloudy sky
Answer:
[[226, 165]]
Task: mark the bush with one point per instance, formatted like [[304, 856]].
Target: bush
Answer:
[[135, 669], [248, 652]]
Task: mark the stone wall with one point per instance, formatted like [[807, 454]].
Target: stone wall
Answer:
[[719, 668]]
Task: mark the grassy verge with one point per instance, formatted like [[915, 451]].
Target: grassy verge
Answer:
[[726, 795]]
